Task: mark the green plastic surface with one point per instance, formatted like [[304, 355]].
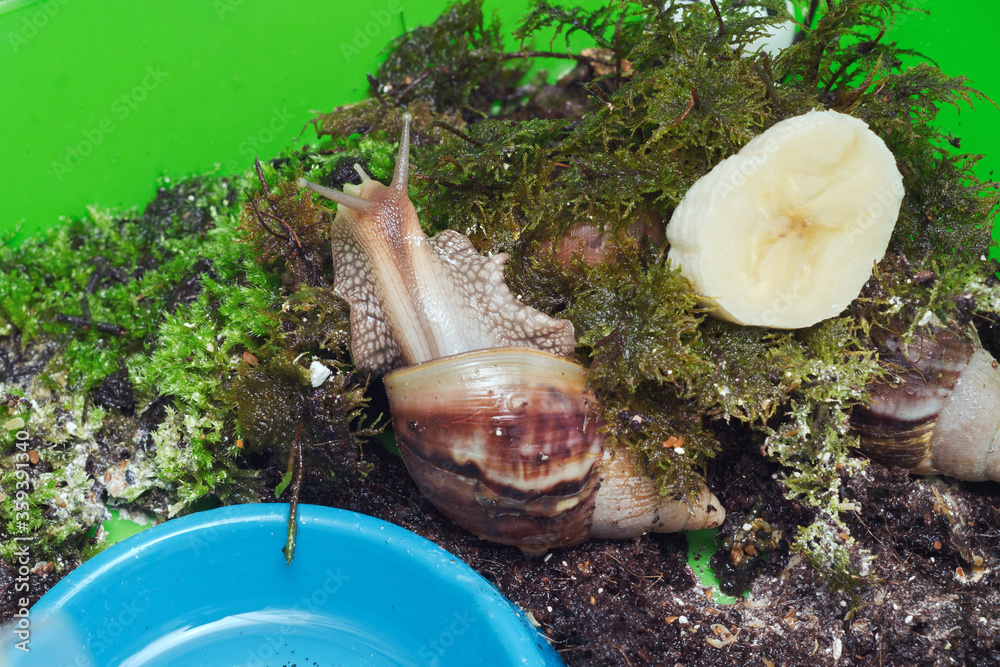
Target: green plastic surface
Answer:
[[119, 528], [701, 547], [99, 100]]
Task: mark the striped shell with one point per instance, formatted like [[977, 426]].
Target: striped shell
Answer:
[[943, 415], [501, 441], [504, 442]]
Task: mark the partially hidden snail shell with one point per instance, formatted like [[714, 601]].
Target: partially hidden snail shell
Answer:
[[942, 416]]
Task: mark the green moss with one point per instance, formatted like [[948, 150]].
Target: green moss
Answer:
[[14, 416], [832, 552], [454, 63], [174, 296], [658, 347], [276, 397]]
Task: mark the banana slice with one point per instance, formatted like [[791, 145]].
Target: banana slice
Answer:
[[786, 232]]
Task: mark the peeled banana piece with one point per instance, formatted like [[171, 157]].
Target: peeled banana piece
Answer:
[[785, 233]]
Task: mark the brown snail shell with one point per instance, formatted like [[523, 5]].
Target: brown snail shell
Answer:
[[943, 414], [493, 422], [590, 245], [511, 429]]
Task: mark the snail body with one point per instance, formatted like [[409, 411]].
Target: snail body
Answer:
[[492, 419], [943, 416]]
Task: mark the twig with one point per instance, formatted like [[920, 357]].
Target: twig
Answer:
[[472, 178], [862, 49], [718, 15], [275, 217], [692, 100], [85, 321], [617, 41], [375, 85], [595, 90], [588, 60], [441, 181], [294, 463], [619, 648], [801, 34], [765, 76], [260, 176], [110, 328], [420, 77], [260, 219]]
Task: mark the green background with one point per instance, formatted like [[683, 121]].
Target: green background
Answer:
[[102, 100]]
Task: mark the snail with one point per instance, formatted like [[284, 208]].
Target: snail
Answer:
[[493, 420], [943, 414]]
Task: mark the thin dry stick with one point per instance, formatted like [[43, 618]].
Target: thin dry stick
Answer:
[[457, 132], [294, 464], [589, 60], [718, 15]]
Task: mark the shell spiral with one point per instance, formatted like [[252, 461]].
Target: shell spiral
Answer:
[[503, 442]]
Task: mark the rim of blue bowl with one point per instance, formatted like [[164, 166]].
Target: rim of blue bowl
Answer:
[[226, 553]]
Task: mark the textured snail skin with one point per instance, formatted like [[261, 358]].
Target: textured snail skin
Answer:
[[415, 299], [493, 422], [943, 416]]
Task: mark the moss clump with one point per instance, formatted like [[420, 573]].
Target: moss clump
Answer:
[[123, 337], [454, 63], [276, 398]]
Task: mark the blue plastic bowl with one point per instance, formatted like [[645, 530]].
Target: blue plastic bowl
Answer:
[[213, 589]]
